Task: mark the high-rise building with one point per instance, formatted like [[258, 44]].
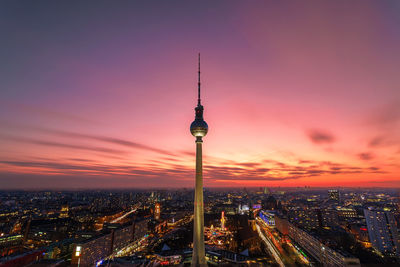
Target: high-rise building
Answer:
[[199, 129], [382, 231]]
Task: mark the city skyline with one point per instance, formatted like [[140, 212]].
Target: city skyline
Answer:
[[297, 95]]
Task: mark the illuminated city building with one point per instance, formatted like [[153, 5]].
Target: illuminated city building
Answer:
[[328, 217], [140, 228], [268, 217], [346, 212], [314, 247], [382, 231], [10, 243], [121, 237], [223, 221], [256, 206], [157, 211], [64, 211], [92, 251], [243, 209], [306, 218], [199, 129], [334, 195], [360, 232], [269, 203]]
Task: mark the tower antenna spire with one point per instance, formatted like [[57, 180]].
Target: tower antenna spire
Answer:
[[198, 84]]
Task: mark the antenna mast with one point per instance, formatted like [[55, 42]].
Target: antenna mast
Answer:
[[198, 96]]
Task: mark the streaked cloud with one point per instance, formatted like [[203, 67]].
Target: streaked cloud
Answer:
[[320, 136], [175, 172], [63, 145], [366, 156]]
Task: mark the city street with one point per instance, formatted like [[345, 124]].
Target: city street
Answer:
[[283, 252]]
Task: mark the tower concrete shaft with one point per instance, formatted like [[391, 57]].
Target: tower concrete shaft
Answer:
[[198, 258], [199, 129]]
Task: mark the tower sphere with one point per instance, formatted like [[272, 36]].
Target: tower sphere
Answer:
[[199, 128]]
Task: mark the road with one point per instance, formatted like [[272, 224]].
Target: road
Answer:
[[280, 246], [123, 216], [271, 248]]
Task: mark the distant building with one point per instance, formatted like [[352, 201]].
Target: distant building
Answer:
[[305, 218], [64, 211], [266, 191], [382, 231], [334, 195], [157, 211], [345, 213], [328, 217], [269, 203]]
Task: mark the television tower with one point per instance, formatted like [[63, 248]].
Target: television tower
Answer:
[[199, 129]]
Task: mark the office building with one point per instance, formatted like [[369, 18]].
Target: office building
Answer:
[[382, 231]]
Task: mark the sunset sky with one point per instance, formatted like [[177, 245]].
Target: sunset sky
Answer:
[[102, 94]]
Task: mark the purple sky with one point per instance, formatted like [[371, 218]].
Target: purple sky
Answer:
[[101, 93]]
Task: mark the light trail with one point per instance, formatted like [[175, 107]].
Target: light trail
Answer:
[[271, 247], [301, 256], [123, 216]]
